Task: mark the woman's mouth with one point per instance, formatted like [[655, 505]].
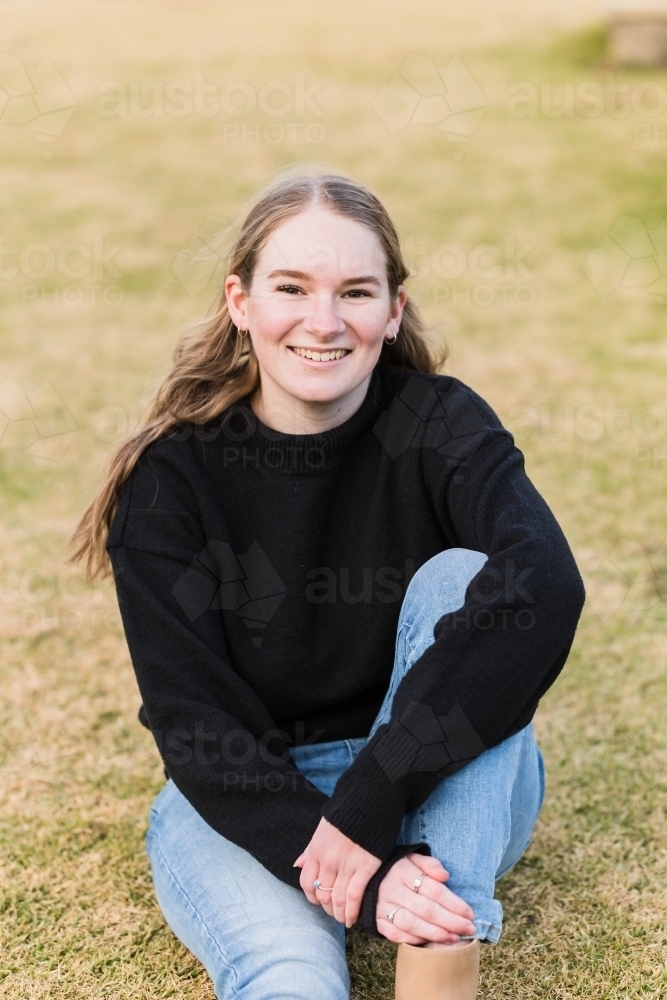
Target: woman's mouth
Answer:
[[332, 355]]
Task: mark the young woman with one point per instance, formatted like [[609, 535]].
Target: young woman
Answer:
[[343, 599]]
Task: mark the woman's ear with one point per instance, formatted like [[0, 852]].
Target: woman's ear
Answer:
[[237, 301], [396, 311]]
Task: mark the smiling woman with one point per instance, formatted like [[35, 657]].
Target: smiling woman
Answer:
[[317, 329], [336, 752]]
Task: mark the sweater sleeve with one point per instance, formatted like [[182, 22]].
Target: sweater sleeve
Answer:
[[217, 740], [219, 743], [490, 661], [216, 737]]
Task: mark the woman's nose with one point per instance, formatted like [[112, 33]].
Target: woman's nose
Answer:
[[322, 318]]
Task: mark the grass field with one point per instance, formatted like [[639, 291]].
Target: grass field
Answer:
[[162, 123]]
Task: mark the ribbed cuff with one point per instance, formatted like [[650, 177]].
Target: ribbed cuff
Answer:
[[368, 913], [367, 807]]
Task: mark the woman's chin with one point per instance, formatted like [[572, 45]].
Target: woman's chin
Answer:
[[325, 392]]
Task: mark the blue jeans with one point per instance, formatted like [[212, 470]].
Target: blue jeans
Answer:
[[261, 939]]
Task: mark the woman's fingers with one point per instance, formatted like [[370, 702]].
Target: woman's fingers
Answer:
[[311, 871], [340, 895], [431, 913], [434, 913], [398, 936], [431, 866], [432, 885], [326, 902], [407, 924], [331, 894], [343, 901], [348, 894], [440, 894], [356, 888]]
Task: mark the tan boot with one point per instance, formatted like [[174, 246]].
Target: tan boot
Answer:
[[447, 973]]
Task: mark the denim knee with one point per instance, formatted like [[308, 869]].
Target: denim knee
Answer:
[[454, 568], [437, 588]]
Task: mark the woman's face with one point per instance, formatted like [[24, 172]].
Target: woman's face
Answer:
[[318, 308]]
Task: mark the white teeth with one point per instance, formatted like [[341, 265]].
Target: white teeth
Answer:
[[306, 352]]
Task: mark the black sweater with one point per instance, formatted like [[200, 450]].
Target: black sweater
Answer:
[[260, 577]]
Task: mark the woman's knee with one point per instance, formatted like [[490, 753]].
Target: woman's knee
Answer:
[[441, 582], [288, 964]]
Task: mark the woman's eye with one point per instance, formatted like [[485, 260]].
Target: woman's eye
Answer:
[[358, 293], [290, 289]]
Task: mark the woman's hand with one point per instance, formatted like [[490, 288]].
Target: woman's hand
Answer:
[[433, 913], [340, 865]]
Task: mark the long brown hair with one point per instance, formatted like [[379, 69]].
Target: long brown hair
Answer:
[[213, 367]]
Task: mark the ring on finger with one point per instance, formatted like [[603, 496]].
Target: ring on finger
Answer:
[[392, 914], [418, 881], [316, 885]]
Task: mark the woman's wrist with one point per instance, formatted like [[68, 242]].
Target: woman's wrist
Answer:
[[368, 913], [416, 907]]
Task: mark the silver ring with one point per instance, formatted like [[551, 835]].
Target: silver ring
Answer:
[[316, 885], [418, 881], [392, 914]]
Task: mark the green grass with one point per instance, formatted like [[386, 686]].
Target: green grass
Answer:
[[586, 910]]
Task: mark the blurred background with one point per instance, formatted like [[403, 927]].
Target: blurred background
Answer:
[[520, 148]]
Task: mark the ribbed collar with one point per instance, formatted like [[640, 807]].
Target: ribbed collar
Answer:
[[314, 454]]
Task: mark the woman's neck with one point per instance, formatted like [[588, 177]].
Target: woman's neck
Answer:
[[287, 414]]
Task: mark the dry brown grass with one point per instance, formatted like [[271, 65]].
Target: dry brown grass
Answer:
[[586, 911]]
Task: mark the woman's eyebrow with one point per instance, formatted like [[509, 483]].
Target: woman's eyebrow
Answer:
[[299, 275], [366, 279]]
